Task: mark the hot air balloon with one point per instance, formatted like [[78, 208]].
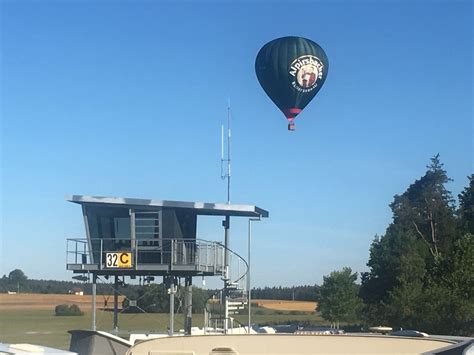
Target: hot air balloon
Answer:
[[291, 70]]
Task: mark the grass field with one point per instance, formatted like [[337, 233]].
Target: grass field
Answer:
[[31, 319]]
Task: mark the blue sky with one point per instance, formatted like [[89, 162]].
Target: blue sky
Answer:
[[127, 99]]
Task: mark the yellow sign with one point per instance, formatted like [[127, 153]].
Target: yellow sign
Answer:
[[120, 260]]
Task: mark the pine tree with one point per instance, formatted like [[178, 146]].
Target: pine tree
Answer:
[[427, 209], [466, 208], [397, 260], [414, 246]]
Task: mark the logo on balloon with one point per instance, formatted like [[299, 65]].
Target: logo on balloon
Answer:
[[306, 70]]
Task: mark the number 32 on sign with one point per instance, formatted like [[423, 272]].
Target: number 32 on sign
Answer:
[[118, 260]]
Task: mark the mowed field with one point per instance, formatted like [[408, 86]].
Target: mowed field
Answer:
[[30, 318], [284, 305], [35, 301]]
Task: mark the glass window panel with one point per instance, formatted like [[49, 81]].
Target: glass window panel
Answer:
[[122, 228]]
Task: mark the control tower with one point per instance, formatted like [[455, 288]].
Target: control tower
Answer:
[[128, 237]]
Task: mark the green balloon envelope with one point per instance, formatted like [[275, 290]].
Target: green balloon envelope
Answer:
[[291, 70]]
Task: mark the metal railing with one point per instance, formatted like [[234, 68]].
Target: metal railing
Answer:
[[202, 254]]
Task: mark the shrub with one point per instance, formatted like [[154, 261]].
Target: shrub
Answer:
[[295, 313], [68, 310]]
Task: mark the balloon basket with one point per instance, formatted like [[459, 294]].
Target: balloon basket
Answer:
[[291, 126]]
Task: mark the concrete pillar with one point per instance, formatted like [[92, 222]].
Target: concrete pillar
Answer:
[[116, 293], [94, 296], [188, 304], [171, 320], [227, 271]]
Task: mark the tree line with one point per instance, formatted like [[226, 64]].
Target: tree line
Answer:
[[17, 281], [421, 271]]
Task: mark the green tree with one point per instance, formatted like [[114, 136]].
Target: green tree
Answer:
[[403, 306], [414, 245], [466, 208], [200, 298], [396, 260], [426, 208], [449, 294], [68, 310], [390, 257], [421, 270], [17, 276], [339, 300], [155, 299], [17, 279]]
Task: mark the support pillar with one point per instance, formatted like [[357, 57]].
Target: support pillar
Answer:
[[249, 285], [116, 303], [188, 304], [171, 321], [94, 296], [226, 224], [227, 271]]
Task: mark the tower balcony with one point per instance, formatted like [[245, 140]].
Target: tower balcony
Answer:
[[193, 257]]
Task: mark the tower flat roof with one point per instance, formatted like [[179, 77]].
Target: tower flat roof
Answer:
[[201, 208]]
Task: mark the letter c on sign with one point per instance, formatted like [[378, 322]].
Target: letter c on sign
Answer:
[[124, 258]]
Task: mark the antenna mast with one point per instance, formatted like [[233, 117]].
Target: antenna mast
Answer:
[[227, 174], [226, 222]]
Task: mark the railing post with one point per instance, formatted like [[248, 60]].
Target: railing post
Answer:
[[209, 252], [203, 259], [223, 261], [172, 254], [215, 256], [67, 251], [136, 252], [196, 249], [101, 252]]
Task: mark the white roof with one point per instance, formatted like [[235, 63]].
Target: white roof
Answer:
[[201, 208]]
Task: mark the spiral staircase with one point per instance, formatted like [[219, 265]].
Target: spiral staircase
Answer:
[[230, 300]]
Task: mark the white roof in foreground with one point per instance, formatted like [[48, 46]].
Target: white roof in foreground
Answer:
[[31, 349], [287, 344], [201, 208]]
